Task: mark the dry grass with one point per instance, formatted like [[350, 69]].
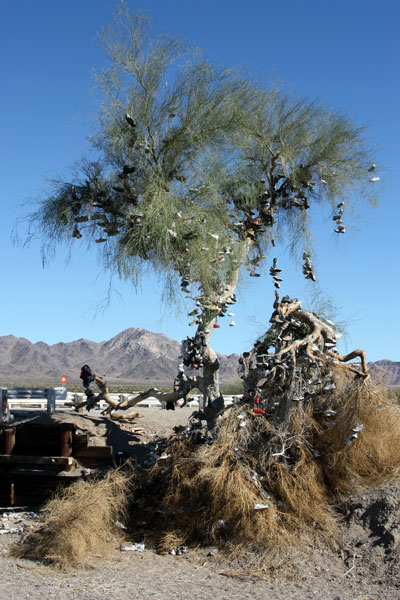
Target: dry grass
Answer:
[[374, 457], [79, 522], [206, 493], [211, 490]]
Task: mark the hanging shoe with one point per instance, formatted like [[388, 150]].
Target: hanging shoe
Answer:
[[76, 233], [329, 413], [329, 386], [358, 428], [130, 120], [329, 344]]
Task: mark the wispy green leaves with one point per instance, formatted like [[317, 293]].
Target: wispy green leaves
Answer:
[[197, 166]]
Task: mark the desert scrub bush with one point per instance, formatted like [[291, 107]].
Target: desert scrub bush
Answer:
[[79, 521], [374, 456], [238, 485]]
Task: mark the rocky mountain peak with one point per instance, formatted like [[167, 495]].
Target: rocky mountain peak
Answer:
[[133, 356]]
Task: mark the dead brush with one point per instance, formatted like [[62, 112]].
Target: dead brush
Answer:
[[269, 478], [373, 457], [79, 522], [236, 492], [210, 493]]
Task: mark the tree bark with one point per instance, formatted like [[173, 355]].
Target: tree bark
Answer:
[[183, 392], [213, 401], [94, 398]]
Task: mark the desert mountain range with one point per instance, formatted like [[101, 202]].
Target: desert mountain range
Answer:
[[134, 356], [386, 372]]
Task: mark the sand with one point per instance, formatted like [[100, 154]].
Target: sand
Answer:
[[366, 567]]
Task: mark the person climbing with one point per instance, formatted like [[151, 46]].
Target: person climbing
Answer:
[[88, 376]]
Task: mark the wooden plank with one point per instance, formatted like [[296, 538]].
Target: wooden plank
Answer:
[[94, 452], [39, 439], [79, 440], [8, 440], [36, 460], [30, 489], [65, 439]]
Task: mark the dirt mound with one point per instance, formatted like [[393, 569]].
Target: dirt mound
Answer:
[[371, 529]]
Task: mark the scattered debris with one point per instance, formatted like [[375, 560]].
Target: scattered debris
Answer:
[[137, 547]]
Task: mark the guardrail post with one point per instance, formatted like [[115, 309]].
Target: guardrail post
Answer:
[[4, 408], [201, 403], [51, 401], [78, 399]]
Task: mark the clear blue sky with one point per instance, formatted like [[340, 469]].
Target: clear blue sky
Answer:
[[343, 52]]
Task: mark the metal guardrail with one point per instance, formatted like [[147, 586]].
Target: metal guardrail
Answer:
[[37, 398], [35, 393], [30, 397]]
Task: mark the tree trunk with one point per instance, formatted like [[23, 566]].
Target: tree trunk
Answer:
[[213, 401]]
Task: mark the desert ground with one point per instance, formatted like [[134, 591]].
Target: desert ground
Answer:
[[364, 567]]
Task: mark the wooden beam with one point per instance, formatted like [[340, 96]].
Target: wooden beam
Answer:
[[37, 460], [66, 439], [8, 440], [94, 452]]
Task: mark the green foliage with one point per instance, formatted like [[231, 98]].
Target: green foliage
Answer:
[[323, 307], [234, 388], [198, 167]]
